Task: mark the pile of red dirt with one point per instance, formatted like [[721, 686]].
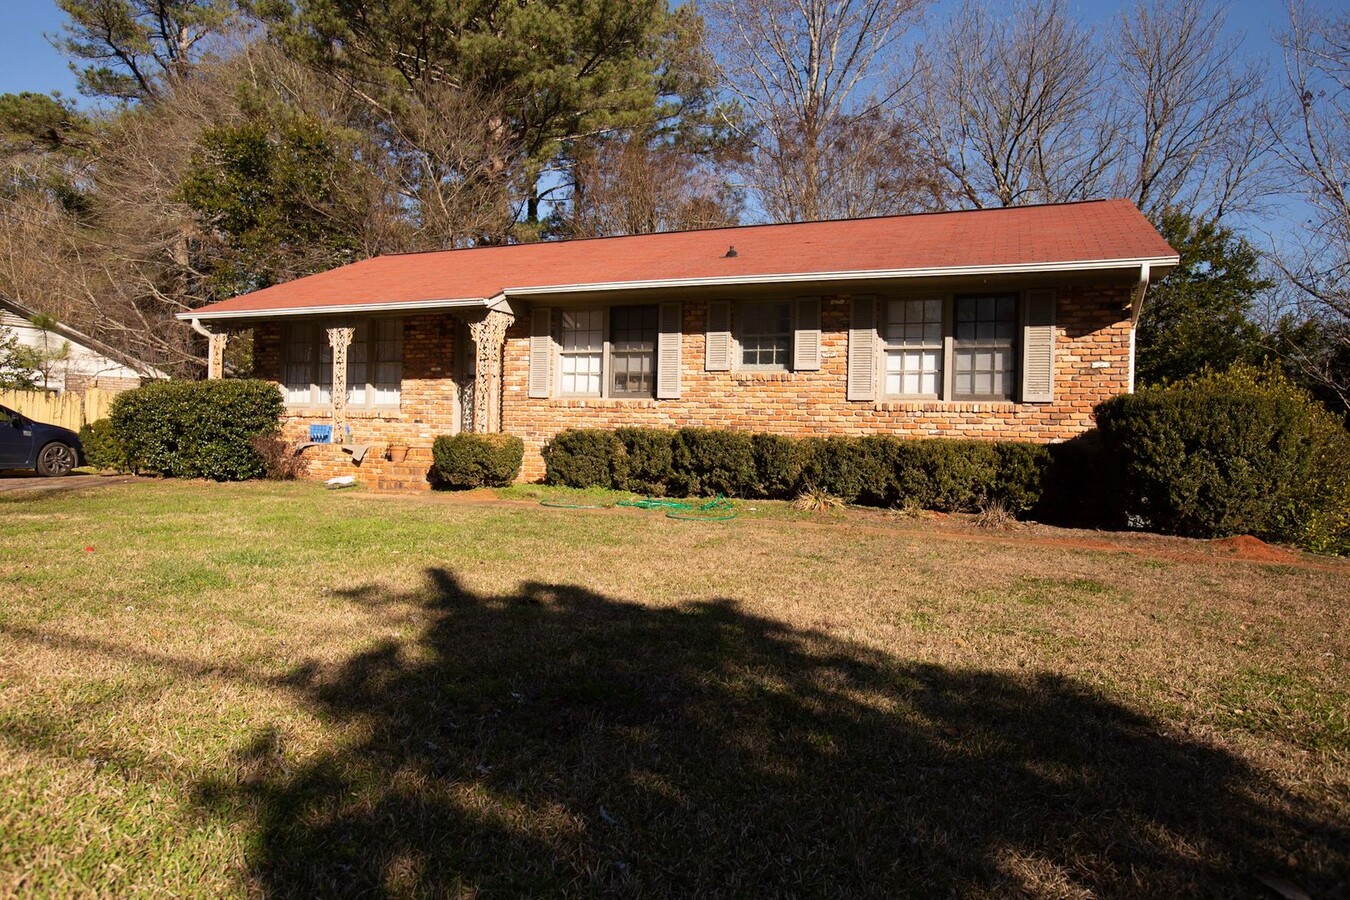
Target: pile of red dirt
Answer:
[[1244, 546]]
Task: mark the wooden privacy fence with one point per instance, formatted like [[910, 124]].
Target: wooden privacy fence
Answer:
[[69, 410]]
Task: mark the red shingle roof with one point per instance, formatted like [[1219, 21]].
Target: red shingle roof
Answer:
[[1063, 234]]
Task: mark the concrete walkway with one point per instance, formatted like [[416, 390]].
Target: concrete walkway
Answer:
[[14, 483]]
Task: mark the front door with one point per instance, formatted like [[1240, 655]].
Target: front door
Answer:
[[16, 439]]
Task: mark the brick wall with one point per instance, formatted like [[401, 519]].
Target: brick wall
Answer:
[[1092, 350], [78, 384], [1091, 364]]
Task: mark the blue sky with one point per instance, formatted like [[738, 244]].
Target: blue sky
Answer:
[[28, 62]]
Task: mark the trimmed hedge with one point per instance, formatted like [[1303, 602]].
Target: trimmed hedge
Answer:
[[876, 470], [476, 460], [1243, 452], [102, 449], [196, 429]]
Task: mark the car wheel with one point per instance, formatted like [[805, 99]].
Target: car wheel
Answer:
[[56, 459]]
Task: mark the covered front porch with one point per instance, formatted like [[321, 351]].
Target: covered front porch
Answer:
[[368, 395]]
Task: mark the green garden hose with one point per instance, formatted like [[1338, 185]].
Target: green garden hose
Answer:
[[556, 505], [675, 509]]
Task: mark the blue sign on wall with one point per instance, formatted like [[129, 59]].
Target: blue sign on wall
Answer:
[[321, 434]]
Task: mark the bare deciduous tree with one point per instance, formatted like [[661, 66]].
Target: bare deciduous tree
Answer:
[[803, 71], [634, 187], [1011, 106], [1313, 146], [1190, 111]]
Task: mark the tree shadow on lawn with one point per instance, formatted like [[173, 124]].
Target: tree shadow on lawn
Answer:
[[559, 741]]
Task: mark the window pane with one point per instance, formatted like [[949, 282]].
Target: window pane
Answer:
[[298, 375], [357, 368], [582, 343], [583, 329], [633, 350], [986, 329], [913, 333], [764, 333], [581, 373], [386, 351]]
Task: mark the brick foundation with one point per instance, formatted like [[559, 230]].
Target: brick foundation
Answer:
[[1092, 360]]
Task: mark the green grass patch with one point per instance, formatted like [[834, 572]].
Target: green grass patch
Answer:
[[273, 689]]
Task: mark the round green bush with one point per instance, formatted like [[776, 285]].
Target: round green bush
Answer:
[[1242, 452], [102, 449], [476, 460]]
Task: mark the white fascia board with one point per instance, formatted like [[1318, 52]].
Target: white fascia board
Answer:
[[339, 309], [854, 275]]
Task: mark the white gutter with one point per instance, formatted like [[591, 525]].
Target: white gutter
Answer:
[[856, 275], [501, 300], [340, 309]]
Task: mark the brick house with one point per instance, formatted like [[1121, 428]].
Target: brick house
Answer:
[[1005, 323]]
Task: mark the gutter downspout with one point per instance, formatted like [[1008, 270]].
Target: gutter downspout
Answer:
[[1138, 307]]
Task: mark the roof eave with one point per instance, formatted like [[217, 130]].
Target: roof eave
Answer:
[[502, 300]]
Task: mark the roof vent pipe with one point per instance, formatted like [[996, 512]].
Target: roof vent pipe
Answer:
[[731, 253]]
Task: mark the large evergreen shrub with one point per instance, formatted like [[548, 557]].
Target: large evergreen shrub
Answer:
[[645, 460], [196, 429], [714, 461], [1243, 452]]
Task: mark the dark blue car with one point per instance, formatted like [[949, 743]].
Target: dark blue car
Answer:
[[25, 444]]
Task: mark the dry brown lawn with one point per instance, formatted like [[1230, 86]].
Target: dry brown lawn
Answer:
[[267, 689]]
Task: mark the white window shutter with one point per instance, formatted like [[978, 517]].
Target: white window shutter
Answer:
[[806, 339], [862, 349], [717, 355], [1038, 346], [541, 351], [669, 333]]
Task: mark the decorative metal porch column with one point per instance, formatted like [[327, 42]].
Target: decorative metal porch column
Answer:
[[340, 339], [489, 338]]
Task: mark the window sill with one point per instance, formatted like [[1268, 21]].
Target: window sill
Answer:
[[353, 412], [965, 406], [599, 402], [752, 375]]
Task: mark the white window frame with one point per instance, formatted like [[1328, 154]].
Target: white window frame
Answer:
[[317, 344], [371, 342], [737, 333], [319, 347], [948, 382], [606, 391], [944, 346], [1014, 373]]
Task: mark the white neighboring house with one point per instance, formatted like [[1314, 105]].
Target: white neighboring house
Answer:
[[87, 363]]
